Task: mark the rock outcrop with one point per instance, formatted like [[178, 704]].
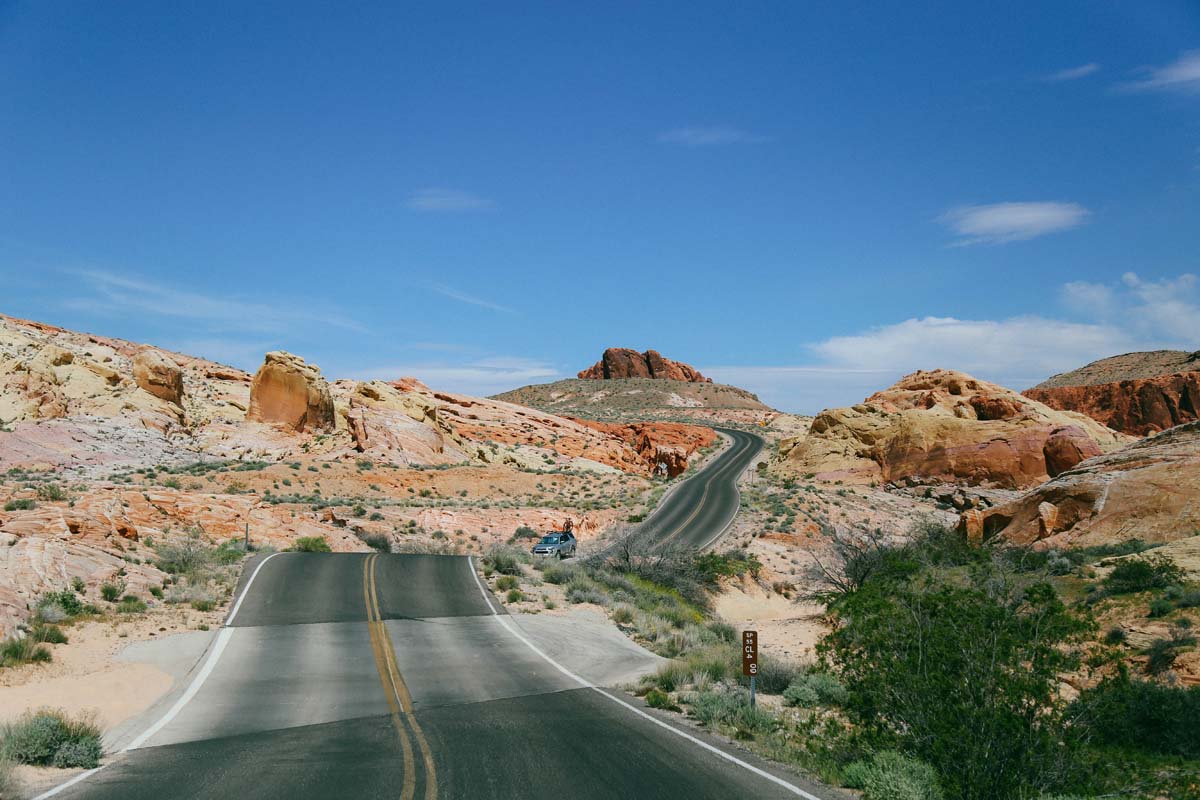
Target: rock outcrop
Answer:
[[1147, 490], [290, 391], [945, 426], [1126, 367], [1139, 406], [662, 445], [621, 362], [159, 375]]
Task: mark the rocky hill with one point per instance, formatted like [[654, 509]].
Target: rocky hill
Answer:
[[621, 362], [945, 426], [1130, 366], [634, 399], [110, 451], [1135, 393]]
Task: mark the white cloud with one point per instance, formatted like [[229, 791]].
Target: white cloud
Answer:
[[1131, 315], [701, 136], [1074, 73], [1182, 74], [449, 200], [999, 223], [470, 299], [113, 294], [480, 377]]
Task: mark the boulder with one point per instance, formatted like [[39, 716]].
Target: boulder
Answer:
[[1146, 490], [287, 390], [157, 374]]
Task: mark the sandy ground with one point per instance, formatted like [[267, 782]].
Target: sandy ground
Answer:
[[785, 628]]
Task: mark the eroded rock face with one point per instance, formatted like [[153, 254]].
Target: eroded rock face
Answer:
[[621, 362], [1147, 490], [1137, 406], [669, 444], [159, 375], [288, 390], [946, 426]]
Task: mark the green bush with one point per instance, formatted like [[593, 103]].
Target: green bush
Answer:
[[50, 634], [523, 532], [1160, 607], [377, 542], [1143, 715], [656, 698], [51, 493], [204, 605], [23, 650], [111, 591], [558, 574], [514, 596], [312, 544], [1141, 574], [622, 614], [731, 712], [889, 775], [50, 737], [505, 560], [813, 689], [19, 505], [131, 605], [775, 675]]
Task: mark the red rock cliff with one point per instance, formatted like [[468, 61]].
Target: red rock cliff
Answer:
[[1139, 406], [621, 362]]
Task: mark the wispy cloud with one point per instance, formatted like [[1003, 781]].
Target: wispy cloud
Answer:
[[479, 377], [103, 293], [999, 223], [463, 297], [1182, 75], [707, 135], [447, 200], [1073, 73]]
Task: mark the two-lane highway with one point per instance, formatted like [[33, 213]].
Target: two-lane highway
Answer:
[[699, 511], [383, 676]]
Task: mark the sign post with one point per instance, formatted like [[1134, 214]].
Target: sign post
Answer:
[[750, 659]]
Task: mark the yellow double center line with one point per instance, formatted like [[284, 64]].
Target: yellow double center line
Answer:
[[398, 698]]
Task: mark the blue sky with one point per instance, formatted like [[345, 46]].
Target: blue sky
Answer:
[[805, 199]]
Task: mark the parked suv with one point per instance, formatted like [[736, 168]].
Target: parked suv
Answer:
[[555, 544]]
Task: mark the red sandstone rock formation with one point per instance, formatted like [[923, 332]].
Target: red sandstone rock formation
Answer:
[[1137, 406], [621, 362], [668, 443], [287, 390]]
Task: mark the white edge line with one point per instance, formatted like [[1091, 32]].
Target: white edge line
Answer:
[[209, 665], [504, 623]]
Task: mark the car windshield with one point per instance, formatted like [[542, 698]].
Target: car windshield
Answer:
[[549, 540]]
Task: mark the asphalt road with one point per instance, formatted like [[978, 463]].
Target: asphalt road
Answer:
[[384, 676], [699, 510]]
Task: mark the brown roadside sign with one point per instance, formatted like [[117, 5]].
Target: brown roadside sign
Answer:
[[750, 653]]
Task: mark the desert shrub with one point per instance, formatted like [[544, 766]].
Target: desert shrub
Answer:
[[1142, 574], [1162, 652], [22, 650], [78, 584], [204, 605], [111, 591], [50, 634], [376, 541], [376, 516], [813, 689], [723, 631], [1115, 635], [730, 711], [713, 663], [10, 785], [131, 605], [523, 532], [1188, 600], [189, 557], [775, 675], [50, 493], [39, 737], [505, 560], [1143, 715], [558, 574], [889, 775], [23, 504], [514, 596], [57, 606], [582, 593], [506, 582], [656, 698], [156, 591], [962, 674], [622, 614], [312, 544], [1160, 607]]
